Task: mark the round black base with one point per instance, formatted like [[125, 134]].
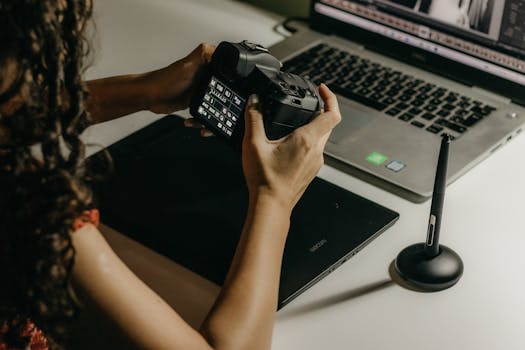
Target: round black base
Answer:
[[429, 274]]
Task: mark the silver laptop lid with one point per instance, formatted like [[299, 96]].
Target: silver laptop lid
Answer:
[[483, 35]]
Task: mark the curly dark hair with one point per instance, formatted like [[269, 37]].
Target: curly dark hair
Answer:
[[44, 184]]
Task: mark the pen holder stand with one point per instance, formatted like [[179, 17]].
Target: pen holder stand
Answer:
[[429, 274]]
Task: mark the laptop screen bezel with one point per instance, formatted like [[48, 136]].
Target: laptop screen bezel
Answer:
[[429, 61]]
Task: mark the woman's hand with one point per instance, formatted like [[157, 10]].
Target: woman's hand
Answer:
[[170, 88], [277, 173], [283, 169]]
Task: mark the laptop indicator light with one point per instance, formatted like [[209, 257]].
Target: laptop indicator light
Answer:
[[376, 158]]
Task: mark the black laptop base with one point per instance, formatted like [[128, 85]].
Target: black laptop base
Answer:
[[185, 197]]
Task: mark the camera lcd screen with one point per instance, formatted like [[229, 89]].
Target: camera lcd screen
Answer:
[[221, 107]]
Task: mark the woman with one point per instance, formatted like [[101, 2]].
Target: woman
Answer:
[[52, 255]]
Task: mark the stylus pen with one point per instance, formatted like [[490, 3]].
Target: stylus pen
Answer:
[[436, 210]]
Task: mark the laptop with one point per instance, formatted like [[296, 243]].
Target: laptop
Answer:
[[407, 71], [185, 197]]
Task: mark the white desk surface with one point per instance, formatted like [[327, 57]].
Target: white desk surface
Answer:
[[355, 307]]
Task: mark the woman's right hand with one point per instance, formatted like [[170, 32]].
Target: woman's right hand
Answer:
[[282, 169]]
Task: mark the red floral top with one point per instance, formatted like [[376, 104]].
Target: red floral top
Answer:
[[88, 217], [37, 339]]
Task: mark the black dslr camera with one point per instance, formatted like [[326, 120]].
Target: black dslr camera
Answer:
[[236, 71]]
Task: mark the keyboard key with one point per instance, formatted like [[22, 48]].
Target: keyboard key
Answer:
[[458, 119], [462, 112], [402, 105], [406, 117], [418, 124], [415, 111], [376, 96], [471, 121], [464, 104], [428, 116], [417, 103], [392, 93], [350, 86], [363, 91], [393, 112], [426, 88], [340, 81], [451, 126], [398, 87], [443, 113], [434, 129], [389, 101], [451, 98], [481, 110], [430, 108]]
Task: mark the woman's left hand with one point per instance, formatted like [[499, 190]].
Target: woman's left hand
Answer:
[[171, 88]]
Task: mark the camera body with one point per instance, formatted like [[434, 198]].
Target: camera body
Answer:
[[236, 71]]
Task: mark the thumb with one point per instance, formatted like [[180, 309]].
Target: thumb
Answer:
[[254, 125]]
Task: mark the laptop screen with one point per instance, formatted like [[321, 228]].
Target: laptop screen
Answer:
[[488, 35]]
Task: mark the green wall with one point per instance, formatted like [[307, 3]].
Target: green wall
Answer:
[[285, 7]]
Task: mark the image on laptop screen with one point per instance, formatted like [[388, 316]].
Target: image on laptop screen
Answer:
[[485, 34]]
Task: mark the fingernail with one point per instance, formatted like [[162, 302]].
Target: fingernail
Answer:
[[191, 123], [253, 100], [206, 133]]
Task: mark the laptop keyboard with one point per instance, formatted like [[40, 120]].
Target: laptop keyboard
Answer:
[[422, 104]]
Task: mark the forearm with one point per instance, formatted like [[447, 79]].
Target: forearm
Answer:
[[114, 97], [243, 315], [161, 91], [147, 320]]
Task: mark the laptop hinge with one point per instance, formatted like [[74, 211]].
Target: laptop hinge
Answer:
[[492, 95]]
